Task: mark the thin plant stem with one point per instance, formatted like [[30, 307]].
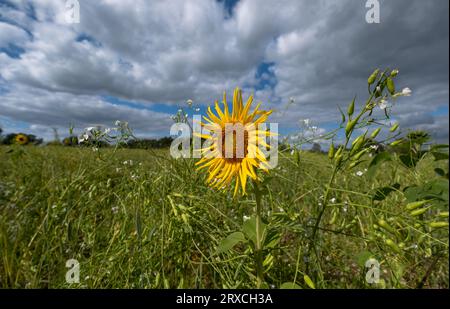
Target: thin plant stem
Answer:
[[258, 245]]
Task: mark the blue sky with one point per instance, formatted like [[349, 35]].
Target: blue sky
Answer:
[[142, 62]]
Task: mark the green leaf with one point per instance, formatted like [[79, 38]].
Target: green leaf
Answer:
[[362, 257], [439, 156], [408, 160], [381, 193], [439, 171], [309, 282], [290, 285], [249, 229], [376, 162], [230, 241]]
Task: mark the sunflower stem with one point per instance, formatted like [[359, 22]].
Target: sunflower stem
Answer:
[[258, 245]]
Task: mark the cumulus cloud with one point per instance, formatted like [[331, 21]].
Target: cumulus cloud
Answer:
[[318, 52]]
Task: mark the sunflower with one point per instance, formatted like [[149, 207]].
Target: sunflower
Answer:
[[239, 131], [21, 139]]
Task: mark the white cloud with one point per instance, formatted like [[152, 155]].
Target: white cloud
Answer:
[[166, 52]]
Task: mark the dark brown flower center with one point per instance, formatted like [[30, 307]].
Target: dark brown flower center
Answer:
[[234, 144]]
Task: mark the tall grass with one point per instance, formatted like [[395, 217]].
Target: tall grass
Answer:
[[139, 219]]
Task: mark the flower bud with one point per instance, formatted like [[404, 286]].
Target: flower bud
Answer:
[[394, 73], [351, 108], [390, 85], [397, 142], [331, 151], [394, 127], [375, 133], [350, 125], [372, 77], [360, 154]]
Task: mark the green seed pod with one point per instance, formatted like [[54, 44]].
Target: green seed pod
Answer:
[[331, 151], [358, 144], [350, 125], [351, 108], [338, 159], [397, 142], [333, 218], [375, 133], [339, 151], [393, 245], [297, 156], [394, 127], [360, 154], [353, 164], [356, 140], [438, 224], [372, 77], [418, 212], [390, 85], [385, 226], [443, 214], [414, 205]]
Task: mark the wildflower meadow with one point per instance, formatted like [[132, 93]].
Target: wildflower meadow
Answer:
[[230, 207]]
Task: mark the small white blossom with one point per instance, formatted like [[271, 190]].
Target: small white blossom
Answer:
[[383, 104], [333, 200], [94, 149], [359, 173], [115, 209], [245, 218], [406, 92]]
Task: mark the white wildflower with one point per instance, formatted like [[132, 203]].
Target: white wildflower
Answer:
[[245, 218], [383, 104], [95, 149], [333, 200], [359, 173], [406, 92]]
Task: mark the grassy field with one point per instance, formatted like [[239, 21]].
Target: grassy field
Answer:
[[139, 219]]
